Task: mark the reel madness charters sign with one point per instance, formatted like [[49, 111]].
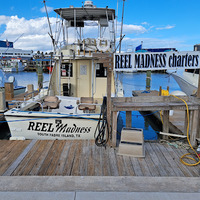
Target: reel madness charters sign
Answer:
[[156, 61]]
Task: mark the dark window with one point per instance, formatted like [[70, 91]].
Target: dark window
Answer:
[[194, 71], [67, 69], [100, 70]]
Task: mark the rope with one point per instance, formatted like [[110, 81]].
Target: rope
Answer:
[[102, 125]]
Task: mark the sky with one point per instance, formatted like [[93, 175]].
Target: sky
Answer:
[[157, 23]]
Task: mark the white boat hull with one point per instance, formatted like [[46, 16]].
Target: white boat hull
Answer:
[[49, 126], [186, 86]]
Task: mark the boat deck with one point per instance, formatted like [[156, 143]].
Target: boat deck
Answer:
[[84, 158]]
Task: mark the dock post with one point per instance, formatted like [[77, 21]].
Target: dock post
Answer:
[[148, 80], [165, 122], [195, 132], [114, 129], [109, 84], [9, 91], [128, 119], [186, 121], [194, 127], [109, 101], [30, 88], [2, 101]]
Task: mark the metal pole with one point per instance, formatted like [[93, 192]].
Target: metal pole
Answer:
[[51, 34], [121, 27]]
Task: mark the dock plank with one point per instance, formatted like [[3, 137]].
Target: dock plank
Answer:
[[20, 159], [166, 165], [170, 159], [20, 170], [84, 158], [121, 167], [113, 162], [48, 160], [77, 159], [70, 159], [41, 158], [177, 160], [144, 167], [63, 159], [90, 169], [150, 163], [106, 163], [55, 159], [136, 166], [155, 160], [8, 159]]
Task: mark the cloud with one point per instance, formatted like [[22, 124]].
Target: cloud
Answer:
[[35, 32], [145, 23], [129, 29], [4, 19], [164, 28], [49, 9]]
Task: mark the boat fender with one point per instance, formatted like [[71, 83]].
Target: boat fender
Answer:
[[17, 138], [176, 93], [103, 47]]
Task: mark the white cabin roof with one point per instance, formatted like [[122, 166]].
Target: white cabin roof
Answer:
[[84, 14]]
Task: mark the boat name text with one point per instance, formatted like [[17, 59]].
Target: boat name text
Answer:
[[60, 127]]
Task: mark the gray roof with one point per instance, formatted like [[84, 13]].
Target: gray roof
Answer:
[[83, 14]]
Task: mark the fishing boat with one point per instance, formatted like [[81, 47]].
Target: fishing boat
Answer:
[[12, 65], [72, 105], [187, 81]]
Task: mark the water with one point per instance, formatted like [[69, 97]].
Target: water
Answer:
[[131, 81], [137, 81], [25, 78]]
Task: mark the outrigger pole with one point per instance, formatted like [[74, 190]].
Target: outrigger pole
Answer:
[[50, 34], [121, 27]]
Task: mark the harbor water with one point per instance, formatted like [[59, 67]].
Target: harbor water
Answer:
[[130, 81], [137, 81]]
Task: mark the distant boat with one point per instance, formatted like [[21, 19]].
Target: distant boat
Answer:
[[187, 81], [12, 65], [11, 79]]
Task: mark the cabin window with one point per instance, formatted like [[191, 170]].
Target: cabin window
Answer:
[[194, 71], [67, 70], [100, 70]]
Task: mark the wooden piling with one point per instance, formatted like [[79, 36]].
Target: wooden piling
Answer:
[[2, 101], [9, 91], [30, 88], [148, 80], [128, 119]]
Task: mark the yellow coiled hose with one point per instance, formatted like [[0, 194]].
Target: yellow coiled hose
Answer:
[[166, 93]]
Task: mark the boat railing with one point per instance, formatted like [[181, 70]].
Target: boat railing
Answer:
[[28, 95], [19, 103]]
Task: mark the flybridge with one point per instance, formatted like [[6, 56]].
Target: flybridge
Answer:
[[156, 61]]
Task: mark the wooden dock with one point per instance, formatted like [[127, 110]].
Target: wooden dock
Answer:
[[84, 158], [155, 104]]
